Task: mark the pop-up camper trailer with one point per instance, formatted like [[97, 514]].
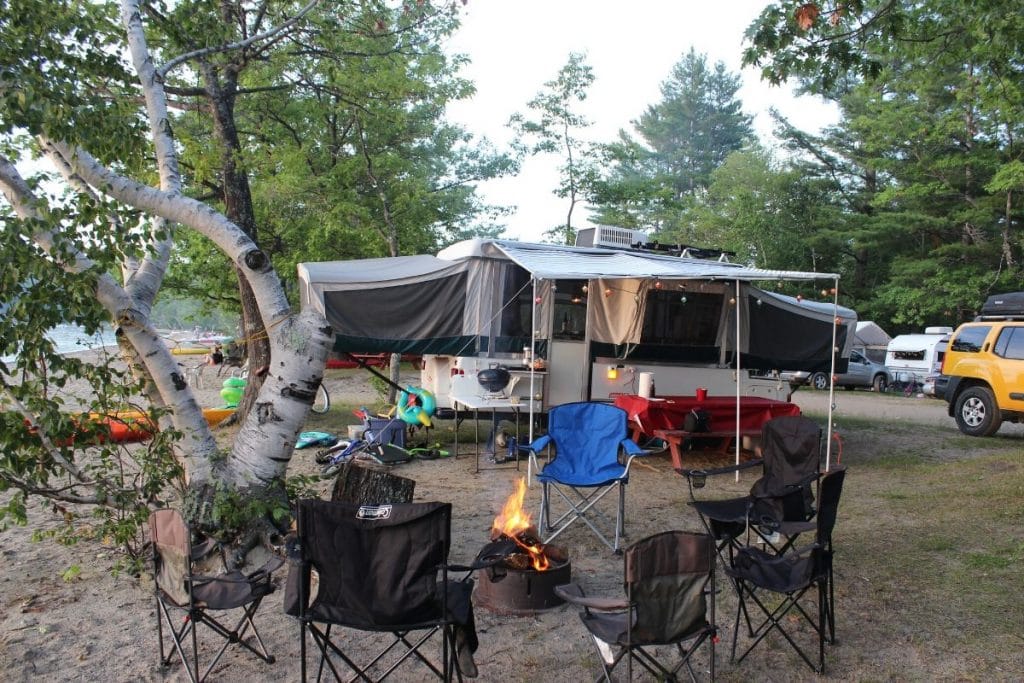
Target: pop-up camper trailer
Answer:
[[596, 319]]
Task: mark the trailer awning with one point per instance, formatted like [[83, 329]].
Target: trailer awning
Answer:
[[552, 261]]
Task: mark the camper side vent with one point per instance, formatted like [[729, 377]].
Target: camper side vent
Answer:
[[609, 237]]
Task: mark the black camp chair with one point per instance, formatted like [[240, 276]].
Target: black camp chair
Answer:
[[179, 588], [792, 575], [670, 601], [381, 568], [780, 505]]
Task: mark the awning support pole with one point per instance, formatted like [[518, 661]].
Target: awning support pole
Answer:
[[736, 312], [831, 384]]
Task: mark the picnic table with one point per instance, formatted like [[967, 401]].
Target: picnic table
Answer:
[[662, 417]]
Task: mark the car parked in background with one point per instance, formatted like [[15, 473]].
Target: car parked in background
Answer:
[[861, 372], [985, 366]]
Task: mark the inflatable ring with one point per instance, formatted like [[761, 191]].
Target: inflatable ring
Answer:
[[416, 406], [232, 391]]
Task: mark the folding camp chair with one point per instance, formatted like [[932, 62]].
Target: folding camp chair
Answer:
[[670, 601], [587, 438], [179, 588], [383, 569], [780, 505], [792, 575]]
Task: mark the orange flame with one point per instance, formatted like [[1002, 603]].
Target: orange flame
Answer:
[[513, 521]]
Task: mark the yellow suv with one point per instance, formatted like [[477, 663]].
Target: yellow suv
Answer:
[[985, 365]]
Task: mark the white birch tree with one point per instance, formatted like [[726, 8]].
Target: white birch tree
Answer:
[[64, 88]]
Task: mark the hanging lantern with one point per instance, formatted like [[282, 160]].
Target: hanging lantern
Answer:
[[613, 372]]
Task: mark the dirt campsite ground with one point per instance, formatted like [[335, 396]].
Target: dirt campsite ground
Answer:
[[929, 564]]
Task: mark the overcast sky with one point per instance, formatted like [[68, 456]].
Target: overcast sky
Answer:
[[517, 45]]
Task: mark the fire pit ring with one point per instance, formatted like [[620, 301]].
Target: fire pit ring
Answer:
[[521, 592]]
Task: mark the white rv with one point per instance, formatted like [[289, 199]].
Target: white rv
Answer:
[[912, 357], [579, 323]]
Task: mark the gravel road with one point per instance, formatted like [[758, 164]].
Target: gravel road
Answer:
[[890, 407]]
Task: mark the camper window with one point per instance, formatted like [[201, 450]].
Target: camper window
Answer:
[[681, 320], [908, 355], [517, 310], [570, 309]]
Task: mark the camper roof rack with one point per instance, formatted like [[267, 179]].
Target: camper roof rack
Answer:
[[688, 251]]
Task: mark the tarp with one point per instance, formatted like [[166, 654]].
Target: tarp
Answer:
[[482, 296], [870, 335]]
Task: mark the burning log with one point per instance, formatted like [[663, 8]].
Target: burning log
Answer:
[[524, 570]]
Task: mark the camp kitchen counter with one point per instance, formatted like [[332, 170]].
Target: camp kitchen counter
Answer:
[[662, 417], [476, 402]]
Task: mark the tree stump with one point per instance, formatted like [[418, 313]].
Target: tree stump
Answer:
[[366, 486]]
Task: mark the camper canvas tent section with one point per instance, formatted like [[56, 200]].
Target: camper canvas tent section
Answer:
[[580, 309]]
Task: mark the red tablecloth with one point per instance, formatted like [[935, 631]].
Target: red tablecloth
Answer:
[[668, 412]]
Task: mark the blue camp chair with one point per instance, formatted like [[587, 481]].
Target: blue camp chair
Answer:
[[588, 438]]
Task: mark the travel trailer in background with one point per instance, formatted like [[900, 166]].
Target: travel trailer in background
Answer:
[[912, 357], [579, 323]]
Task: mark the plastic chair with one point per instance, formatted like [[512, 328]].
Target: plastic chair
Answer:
[[178, 587], [670, 600], [384, 569], [588, 438], [792, 575]]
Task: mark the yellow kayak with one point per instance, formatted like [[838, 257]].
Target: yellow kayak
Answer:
[[189, 351]]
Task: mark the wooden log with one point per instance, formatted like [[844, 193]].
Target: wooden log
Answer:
[[367, 486]]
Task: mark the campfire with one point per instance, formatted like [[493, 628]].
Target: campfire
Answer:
[[522, 580]]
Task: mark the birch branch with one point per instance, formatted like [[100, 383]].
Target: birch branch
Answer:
[[268, 34]]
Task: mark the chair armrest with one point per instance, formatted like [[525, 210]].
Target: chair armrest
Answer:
[[632, 448], [539, 444], [573, 594], [702, 473]]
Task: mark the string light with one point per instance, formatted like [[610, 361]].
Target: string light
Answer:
[[608, 292], [613, 372]]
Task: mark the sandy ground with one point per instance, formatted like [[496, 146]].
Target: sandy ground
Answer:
[[98, 627]]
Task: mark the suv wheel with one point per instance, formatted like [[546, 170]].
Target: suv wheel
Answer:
[[976, 412], [880, 384], [819, 380]]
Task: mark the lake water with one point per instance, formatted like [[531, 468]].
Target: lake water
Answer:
[[72, 338]]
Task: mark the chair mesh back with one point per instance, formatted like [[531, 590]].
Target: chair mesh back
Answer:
[[828, 506], [377, 565], [665, 576], [171, 544], [791, 451], [586, 436]]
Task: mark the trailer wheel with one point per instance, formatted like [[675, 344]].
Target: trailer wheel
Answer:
[[976, 412]]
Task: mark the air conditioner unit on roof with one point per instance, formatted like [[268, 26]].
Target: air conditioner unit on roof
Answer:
[[610, 237]]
